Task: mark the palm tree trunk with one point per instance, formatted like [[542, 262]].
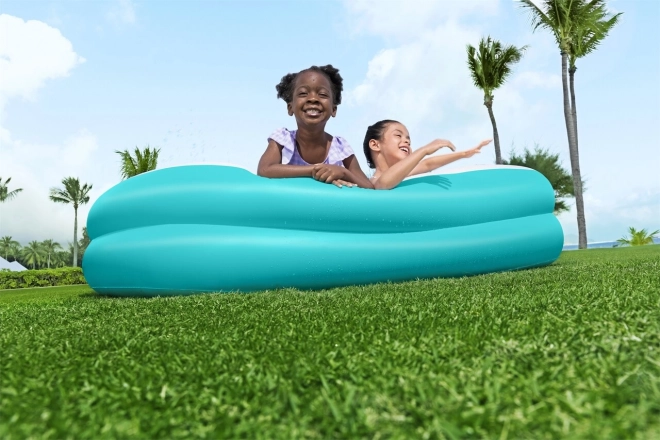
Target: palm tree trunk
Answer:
[[571, 77], [496, 136], [48, 260], [75, 237], [574, 155]]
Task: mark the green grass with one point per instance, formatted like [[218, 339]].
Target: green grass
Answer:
[[571, 350], [43, 294]]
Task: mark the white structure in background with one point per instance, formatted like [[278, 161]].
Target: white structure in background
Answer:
[[14, 266]]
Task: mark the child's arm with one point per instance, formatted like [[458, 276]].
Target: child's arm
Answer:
[[433, 163], [405, 167], [358, 178], [270, 164], [340, 176]]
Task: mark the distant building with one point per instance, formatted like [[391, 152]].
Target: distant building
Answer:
[[14, 266]]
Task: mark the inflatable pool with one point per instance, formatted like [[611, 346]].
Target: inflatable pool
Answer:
[[209, 228]]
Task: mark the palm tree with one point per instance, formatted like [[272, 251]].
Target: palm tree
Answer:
[[5, 194], [549, 165], [60, 258], [7, 246], [76, 195], [586, 40], [50, 247], [490, 66], [33, 253], [143, 161], [15, 250], [578, 26], [638, 238], [84, 241]]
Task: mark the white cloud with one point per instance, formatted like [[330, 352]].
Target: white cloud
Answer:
[[423, 79], [639, 208], [403, 20], [31, 52], [122, 12], [414, 81], [37, 168]]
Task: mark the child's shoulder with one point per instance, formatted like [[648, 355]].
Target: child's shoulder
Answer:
[[339, 140], [283, 136], [341, 145]]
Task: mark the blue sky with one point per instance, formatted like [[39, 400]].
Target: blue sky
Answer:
[[79, 80]]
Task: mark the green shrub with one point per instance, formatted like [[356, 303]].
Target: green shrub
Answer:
[[42, 278]]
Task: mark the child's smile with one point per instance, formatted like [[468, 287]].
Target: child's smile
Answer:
[[395, 144], [313, 112]]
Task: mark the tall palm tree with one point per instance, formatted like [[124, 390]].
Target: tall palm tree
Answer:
[[143, 161], [5, 194], [7, 246], [550, 166], [578, 27], [638, 238], [490, 66], [586, 39], [33, 253], [50, 247], [76, 195]]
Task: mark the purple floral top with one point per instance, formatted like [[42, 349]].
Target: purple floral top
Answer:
[[339, 149]]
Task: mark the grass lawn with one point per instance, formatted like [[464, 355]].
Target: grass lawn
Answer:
[[570, 350]]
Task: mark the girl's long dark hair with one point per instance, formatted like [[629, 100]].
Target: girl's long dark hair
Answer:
[[376, 132]]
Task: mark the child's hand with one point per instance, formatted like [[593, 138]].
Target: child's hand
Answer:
[[477, 149], [339, 183], [436, 145], [328, 173]]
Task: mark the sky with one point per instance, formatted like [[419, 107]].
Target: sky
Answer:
[[80, 80]]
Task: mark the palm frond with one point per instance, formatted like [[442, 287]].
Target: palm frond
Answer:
[[537, 17], [490, 64], [476, 71], [72, 193], [143, 161], [638, 238], [593, 26], [548, 17], [5, 194]]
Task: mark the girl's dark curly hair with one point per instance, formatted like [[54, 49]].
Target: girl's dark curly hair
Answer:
[[285, 87], [376, 132]]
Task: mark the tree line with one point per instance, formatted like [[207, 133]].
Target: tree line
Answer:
[[48, 253]]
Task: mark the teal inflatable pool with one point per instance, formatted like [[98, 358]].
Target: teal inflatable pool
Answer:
[[208, 228]]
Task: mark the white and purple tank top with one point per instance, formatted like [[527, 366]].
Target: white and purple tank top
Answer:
[[339, 149]]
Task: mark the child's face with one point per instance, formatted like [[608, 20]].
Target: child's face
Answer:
[[312, 101], [394, 144]]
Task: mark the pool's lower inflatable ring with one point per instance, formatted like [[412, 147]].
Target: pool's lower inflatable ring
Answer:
[[208, 228]]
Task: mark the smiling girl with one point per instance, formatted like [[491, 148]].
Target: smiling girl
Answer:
[[312, 97], [387, 148]]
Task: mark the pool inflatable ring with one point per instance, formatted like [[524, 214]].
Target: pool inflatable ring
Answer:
[[209, 228]]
